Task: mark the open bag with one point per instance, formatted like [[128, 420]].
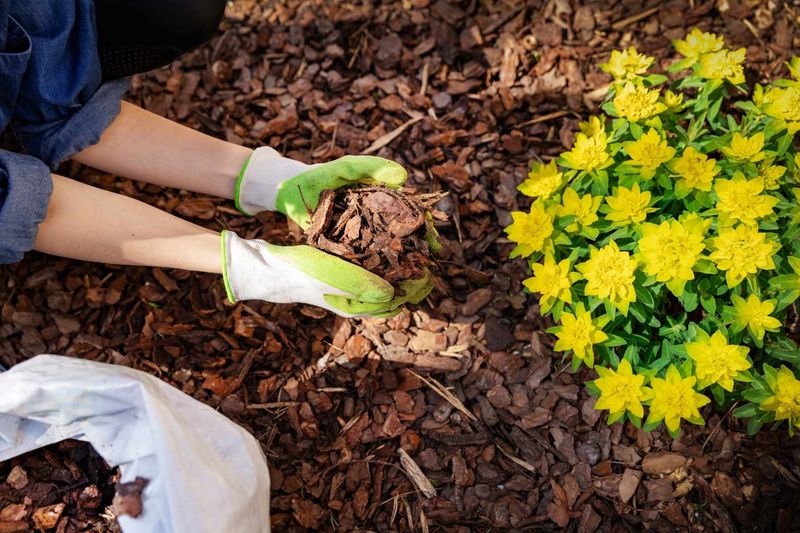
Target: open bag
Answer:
[[206, 474]]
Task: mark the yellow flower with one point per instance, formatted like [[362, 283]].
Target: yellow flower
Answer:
[[636, 103], [588, 153], [673, 101], [785, 399], [697, 43], [695, 169], [543, 180], [770, 175], [649, 152], [754, 315], [621, 390], [552, 281], [783, 103], [723, 65], [741, 251], [627, 64], [583, 208], [609, 274], [531, 231], [629, 206], [745, 148], [716, 361], [669, 251], [579, 333], [594, 126], [741, 199], [674, 398]]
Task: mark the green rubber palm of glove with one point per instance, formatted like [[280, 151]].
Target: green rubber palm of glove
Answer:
[[410, 291], [300, 194]]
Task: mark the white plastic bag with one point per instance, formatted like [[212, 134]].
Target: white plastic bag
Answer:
[[206, 473]]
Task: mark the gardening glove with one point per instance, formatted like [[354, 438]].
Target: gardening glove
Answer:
[[271, 182], [257, 270]]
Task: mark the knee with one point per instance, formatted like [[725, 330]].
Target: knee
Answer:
[[199, 22]]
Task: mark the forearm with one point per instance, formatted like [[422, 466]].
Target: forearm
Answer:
[[147, 147], [91, 224]]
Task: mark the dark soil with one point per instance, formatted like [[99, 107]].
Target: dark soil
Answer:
[[464, 95]]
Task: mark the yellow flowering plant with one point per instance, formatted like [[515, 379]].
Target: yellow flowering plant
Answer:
[[665, 244]]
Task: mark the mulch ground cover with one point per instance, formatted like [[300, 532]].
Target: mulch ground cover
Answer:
[[457, 416]]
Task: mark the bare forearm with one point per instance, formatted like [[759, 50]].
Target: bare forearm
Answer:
[[91, 224], [147, 147]]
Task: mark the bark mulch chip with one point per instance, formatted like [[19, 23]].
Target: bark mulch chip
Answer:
[[389, 232], [66, 487]]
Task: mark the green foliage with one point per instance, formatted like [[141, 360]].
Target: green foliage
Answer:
[[672, 241]]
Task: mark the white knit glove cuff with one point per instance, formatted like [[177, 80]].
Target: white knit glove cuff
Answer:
[[260, 180]]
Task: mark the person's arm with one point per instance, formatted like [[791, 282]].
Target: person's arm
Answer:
[[146, 147], [91, 224]]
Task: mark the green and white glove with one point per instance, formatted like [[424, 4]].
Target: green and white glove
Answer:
[[257, 270], [271, 182]]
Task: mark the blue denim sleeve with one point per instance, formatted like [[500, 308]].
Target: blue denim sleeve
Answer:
[[62, 106], [25, 188], [57, 139]]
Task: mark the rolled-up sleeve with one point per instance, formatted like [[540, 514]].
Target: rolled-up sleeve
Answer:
[[63, 106], [58, 139], [25, 188]]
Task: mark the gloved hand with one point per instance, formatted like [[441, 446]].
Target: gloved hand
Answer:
[[271, 182], [257, 270]]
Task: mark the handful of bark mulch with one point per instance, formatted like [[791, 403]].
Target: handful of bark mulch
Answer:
[[66, 486], [389, 232]]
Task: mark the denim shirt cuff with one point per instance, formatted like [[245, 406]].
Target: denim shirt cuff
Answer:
[[56, 142], [25, 189]]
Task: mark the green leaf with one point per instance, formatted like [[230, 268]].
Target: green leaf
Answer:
[[785, 299], [785, 143], [632, 355], [785, 349], [644, 295], [705, 266], [615, 340], [753, 425], [650, 425], [638, 312], [745, 411], [714, 110], [786, 282], [556, 310], [709, 303], [681, 64], [719, 394], [655, 79], [689, 300], [636, 130]]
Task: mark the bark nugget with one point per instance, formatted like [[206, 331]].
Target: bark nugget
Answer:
[[389, 232]]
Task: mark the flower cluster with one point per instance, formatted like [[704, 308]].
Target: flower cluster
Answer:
[[664, 243]]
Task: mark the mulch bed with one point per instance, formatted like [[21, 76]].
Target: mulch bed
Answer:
[[457, 416]]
